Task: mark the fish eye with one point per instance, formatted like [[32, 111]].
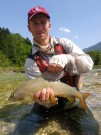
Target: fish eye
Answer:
[[13, 95]]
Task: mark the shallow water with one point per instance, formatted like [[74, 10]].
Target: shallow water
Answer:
[[92, 84], [11, 113]]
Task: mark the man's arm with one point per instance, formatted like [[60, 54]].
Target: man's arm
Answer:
[[31, 69], [75, 61]]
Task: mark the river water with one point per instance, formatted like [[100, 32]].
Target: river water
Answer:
[[11, 113]]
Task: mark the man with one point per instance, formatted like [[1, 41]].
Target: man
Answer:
[[56, 56]]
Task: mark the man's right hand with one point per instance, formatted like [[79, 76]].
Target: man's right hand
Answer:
[[43, 95]]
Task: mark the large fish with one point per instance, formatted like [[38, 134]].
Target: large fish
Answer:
[[26, 91]]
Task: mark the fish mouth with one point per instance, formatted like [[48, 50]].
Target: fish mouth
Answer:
[[11, 99]]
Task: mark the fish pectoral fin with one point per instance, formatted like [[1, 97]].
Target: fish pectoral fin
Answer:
[[53, 99], [71, 99]]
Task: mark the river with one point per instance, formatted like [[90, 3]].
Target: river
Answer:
[[11, 113]]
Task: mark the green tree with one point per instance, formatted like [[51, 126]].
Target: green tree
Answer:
[[27, 41], [4, 61], [14, 48], [96, 56]]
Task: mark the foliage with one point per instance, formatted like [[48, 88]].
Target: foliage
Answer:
[[96, 56], [13, 48], [4, 61]]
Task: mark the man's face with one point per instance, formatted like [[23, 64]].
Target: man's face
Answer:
[[39, 26]]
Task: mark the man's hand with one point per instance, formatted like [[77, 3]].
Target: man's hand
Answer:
[[58, 62], [43, 95], [54, 67]]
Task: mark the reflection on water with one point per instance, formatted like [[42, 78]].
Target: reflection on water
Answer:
[[11, 113]]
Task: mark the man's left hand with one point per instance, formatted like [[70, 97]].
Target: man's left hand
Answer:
[[58, 62], [54, 67]]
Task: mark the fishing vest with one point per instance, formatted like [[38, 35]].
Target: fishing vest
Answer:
[[42, 63]]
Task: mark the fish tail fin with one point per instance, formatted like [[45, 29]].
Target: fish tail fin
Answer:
[[82, 98], [53, 99], [85, 95]]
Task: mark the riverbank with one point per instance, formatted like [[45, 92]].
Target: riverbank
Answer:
[[12, 70]]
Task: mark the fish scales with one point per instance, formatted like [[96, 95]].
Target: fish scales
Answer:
[[30, 87]]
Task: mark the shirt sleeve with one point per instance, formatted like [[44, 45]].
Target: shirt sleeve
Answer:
[[31, 69], [80, 62]]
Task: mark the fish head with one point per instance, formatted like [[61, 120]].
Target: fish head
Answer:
[[17, 95]]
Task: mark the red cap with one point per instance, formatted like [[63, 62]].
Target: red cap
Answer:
[[37, 10]]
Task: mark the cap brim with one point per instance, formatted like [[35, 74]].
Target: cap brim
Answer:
[[38, 13]]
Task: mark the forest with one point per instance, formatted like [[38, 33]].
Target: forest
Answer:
[[13, 48]]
